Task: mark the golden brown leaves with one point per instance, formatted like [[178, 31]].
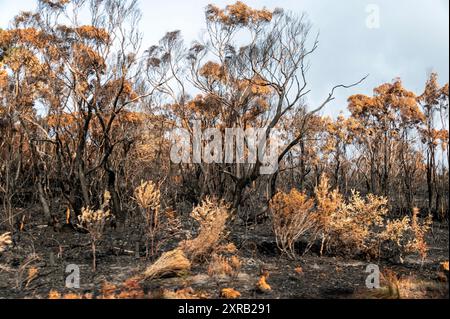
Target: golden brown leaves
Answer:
[[353, 227], [257, 86], [131, 289], [230, 293], [108, 290], [238, 14], [92, 33], [292, 216], [86, 58], [360, 225], [94, 220], [208, 106], [419, 230], [147, 195], [262, 285], [21, 57], [25, 36], [328, 202], [33, 273], [213, 71], [432, 93], [3, 78], [389, 100]]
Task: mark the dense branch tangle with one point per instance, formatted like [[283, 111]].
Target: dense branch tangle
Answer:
[[255, 82], [84, 109]]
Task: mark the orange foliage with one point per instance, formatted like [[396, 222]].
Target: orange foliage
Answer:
[[92, 33], [238, 14], [213, 71], [230, 293], [292, 216], [262, 285], [86, 57]]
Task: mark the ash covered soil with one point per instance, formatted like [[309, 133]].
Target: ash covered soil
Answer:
[[40, 248]]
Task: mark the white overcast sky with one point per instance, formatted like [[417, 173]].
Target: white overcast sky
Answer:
[[412, 39]]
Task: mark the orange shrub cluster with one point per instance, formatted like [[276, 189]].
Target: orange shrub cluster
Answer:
[[293, 217], [358, 226]]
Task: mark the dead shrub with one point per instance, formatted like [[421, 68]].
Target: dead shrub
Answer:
[[148, 196], [353, 228], [327, 204], [94, 222], [212, 217], [359, 226], [419, 231], [292, 216]]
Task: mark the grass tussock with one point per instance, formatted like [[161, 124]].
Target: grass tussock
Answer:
[[172, 262]]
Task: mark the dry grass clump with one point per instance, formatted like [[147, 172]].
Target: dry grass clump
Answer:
[[5, 241], [292, 217], [171, 262], [212, 217], [148, 197]]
